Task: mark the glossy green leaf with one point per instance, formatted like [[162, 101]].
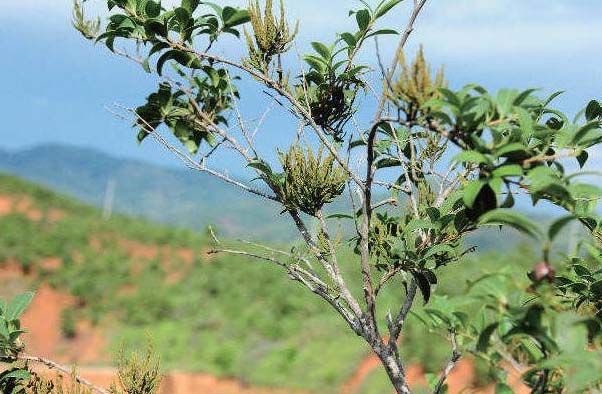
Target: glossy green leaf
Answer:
[[593, 110], [18, 305], [322, 49], [558, 225], [506, 217], [386, 7], [424, 285], [363, 19], [508, 170], [471, 192], [471, 156], [485, 337]]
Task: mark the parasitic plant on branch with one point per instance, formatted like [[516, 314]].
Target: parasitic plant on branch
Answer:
[[451, 160]]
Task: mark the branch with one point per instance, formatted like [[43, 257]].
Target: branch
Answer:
[[450, 364], [418, 5], [337, 276], [309, 280], [191, 163], [386, 278], [282, 92], [52, 365], [370, 167], [397, 325]]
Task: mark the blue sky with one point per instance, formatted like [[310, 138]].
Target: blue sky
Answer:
[[55, 86]]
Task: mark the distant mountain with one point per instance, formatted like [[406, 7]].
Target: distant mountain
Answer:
[[171, 196], [179, 197]]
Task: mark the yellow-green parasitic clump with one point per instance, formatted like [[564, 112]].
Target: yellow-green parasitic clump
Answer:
[[310, 180]]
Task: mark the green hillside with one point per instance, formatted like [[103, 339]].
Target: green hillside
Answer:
[[179, 197], [226, 315]]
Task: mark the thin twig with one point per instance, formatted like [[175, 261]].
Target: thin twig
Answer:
[[190, 162], [68, 371], [450, 364], [403, 312]]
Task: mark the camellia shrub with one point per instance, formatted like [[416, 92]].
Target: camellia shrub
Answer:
[[421, 166]]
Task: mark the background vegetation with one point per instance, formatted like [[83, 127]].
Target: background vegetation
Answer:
[[261, 330]]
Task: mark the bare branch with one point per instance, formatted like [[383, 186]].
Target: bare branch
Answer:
[[450, 364], [191, 163], [337, 276], [398, 323], [309, 280], [282, 91], [241, 122], [65, 370], [418, 5]]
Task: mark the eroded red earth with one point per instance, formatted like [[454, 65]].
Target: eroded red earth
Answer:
[[89, 347]]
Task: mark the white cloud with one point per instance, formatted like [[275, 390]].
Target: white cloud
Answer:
[[460, 26]]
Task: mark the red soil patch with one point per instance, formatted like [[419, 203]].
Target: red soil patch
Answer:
[[186, 255], [6, 205], [24, 205], [10, 270], [188, 383], [460, 381], [50, 263], [139, 250], [55, 215], [176, 382], [43, 319], [365, 369]]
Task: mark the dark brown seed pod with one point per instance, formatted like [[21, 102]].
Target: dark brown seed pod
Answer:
[[542, 271]]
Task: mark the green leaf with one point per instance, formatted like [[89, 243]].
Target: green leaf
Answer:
[[593, 110], [558, 225], [441, 248], [192, 146], [239, 17], [184, 58], [363, 19], [485, 337], [581, 270], [382, 32], [511, 148], [340, 216], [525, 121], [471, 156], [503, 388], [471, 192], [583, 131], [424, 285], [596, 289], [386, 7], [508, 170], [146, 66], [4, 333], [521, 98], [505, 100], [349, 39], [190, 5], [17, 374], [418, 224], [18, 305], [398, 249], [322, 50], [582, 158], [316, 63], [387, 162], [506, 217], [261, 166], [152, 9]]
